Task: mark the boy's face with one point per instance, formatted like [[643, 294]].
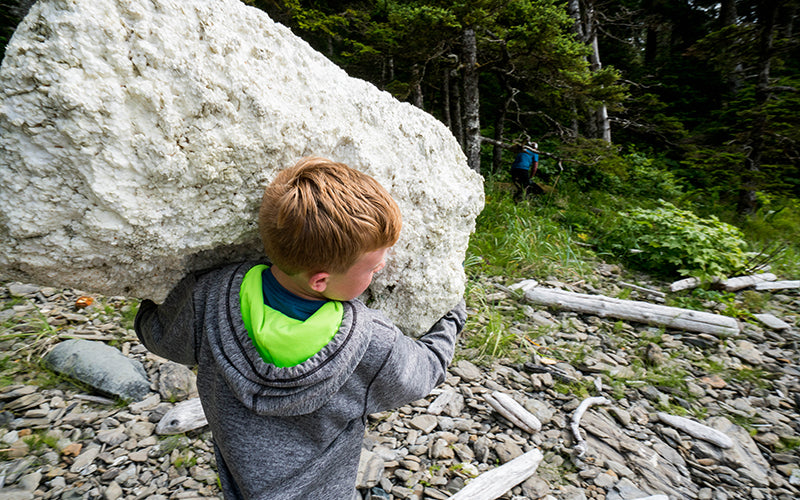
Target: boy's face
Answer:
[[352, 283]]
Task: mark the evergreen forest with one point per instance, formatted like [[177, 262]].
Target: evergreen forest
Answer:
[[668, 130]]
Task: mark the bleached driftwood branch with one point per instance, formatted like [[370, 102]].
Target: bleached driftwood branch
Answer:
[[496, 482], [580, 447], [183, 417], [685, 284], [740, 282], [632, 310], [777, 285], [697, 430], [513, 411]]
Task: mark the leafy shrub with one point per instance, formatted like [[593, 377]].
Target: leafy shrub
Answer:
[[666, 239]]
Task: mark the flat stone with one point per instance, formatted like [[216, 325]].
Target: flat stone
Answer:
[[424, 423], [176, 382], [605, 480], [772, 321], [508, 451], [370, 469], [15, 494], [113, 491], [84, 459], [100, 366], [441, 450], [748, 352], [21, 289], [467, 371]]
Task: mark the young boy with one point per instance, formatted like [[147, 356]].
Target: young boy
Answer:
[[290, 363]]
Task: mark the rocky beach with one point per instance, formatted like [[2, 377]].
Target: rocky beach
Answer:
[[66, 439]]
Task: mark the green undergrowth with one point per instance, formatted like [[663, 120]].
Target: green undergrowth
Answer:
[[526, 240], [666, 233]]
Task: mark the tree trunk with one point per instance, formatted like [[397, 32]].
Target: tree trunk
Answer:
[[416, 87], [727, 17], [603, 125], [582, 11], [472, 136], [500, 124], [651, 46], [446, 98], [456, 116], [748, 202], [727, 13]]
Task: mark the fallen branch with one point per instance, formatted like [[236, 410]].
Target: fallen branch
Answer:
[[740, 282], [496, 482], [685, 284], [777, 285], [697, 430], [513, 411], [183, 417], [642, 289], [639, 311], [580, 447]]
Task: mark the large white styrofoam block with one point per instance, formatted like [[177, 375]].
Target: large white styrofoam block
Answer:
[[136, 138]]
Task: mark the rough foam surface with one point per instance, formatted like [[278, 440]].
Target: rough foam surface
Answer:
[[136, 138]]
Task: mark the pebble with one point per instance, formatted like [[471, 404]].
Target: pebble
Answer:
[[431, 448]]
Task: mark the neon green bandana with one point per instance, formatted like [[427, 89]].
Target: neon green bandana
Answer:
[[279, 339]]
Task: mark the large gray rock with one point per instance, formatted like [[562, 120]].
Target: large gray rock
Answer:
[[100, 366], [136, 138]]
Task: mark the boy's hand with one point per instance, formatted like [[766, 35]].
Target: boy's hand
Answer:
[[458, 314]]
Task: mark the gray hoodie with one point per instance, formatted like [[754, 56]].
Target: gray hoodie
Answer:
[[294, 432]]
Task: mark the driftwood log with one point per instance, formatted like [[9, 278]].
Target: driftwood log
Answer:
[[697, 430], [631, 310], [496, 482], [740, 282], [183, 417], [731, 284], [513, 411], [655, 293], [777, 285], [575, 424], [685, 284]]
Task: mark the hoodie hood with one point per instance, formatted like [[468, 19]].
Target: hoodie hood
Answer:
[[263, 387]]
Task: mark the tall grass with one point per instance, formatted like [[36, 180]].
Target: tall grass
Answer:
[[526, 240]]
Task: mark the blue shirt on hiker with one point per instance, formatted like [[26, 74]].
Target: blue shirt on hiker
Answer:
[[525, 159]]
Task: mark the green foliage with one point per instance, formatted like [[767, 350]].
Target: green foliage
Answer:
[[775, 230], [667, 239], [524, 240], [702, 299], [597, 165], [787, 444], [489, 330]]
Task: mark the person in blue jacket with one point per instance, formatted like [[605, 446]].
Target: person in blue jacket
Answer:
[[523, 169]]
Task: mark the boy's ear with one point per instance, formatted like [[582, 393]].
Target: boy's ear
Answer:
[[318, 281]]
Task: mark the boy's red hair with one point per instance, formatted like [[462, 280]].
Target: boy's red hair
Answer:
[[320, 215]]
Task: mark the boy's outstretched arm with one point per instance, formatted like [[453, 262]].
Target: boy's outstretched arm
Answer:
[[415, 366], [168, 329]]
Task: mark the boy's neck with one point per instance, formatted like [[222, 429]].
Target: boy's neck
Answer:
[[295, 284]]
